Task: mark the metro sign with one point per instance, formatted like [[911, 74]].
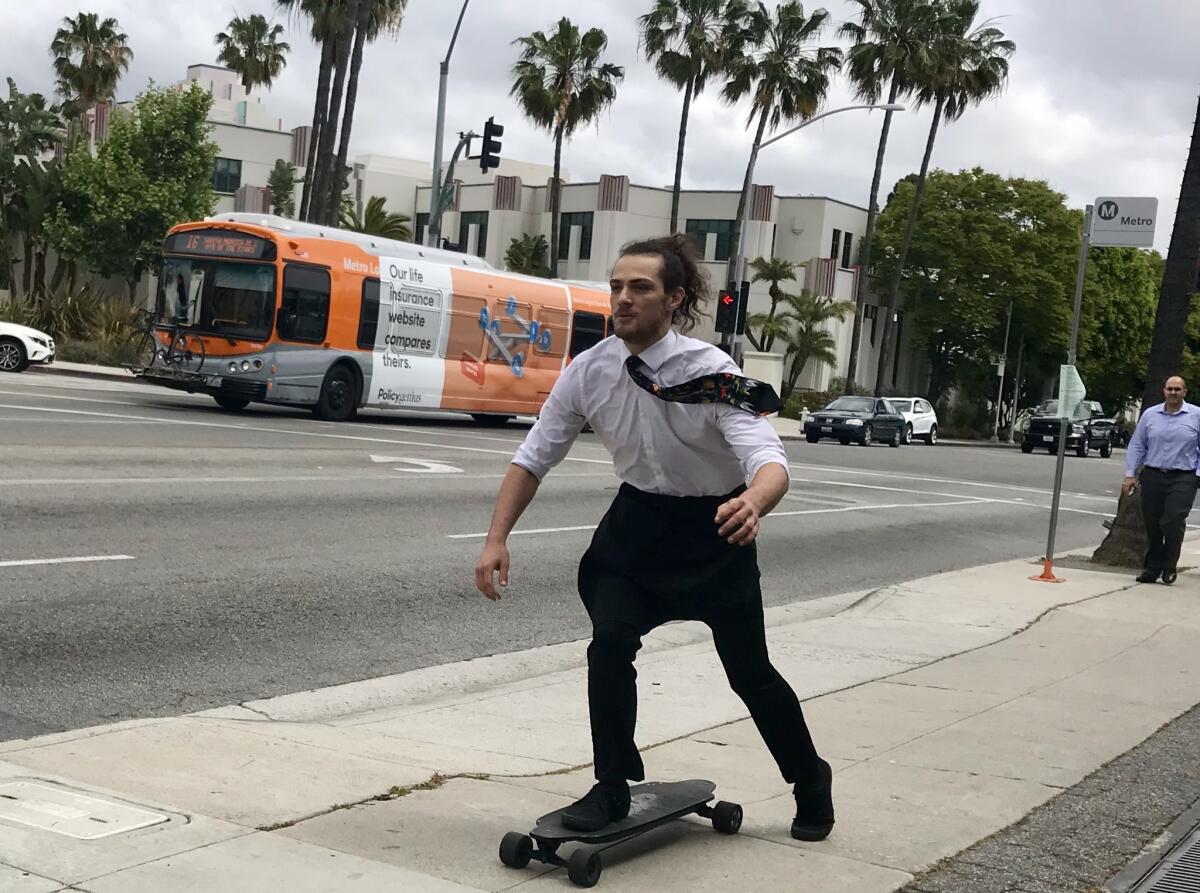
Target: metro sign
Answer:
[[1124, 221]]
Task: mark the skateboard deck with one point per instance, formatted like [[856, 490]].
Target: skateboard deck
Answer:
[[650, 805]]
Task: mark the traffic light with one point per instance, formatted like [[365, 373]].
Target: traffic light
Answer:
[[727, 312], [489, 157]]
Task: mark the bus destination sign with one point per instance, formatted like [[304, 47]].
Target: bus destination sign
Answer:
[[220, 243]]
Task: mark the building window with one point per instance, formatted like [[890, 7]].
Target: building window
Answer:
[[227, 175], [847, 239], [368, 320], [587, 331], [836, 249], [304, 312], [582, 219], [466, 219], [699, 230], [422, 228]]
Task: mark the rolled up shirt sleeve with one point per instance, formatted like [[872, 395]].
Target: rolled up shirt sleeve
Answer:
[[558, 424], [752, 439]]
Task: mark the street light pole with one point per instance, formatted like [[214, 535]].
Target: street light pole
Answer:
[[739, 265], [433, 231]]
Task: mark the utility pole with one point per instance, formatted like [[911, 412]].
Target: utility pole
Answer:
[[435, 197]]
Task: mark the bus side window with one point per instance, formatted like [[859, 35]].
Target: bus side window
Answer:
[[587, 331], [304, 313], [553, 321], [466, 336], [368, 321]]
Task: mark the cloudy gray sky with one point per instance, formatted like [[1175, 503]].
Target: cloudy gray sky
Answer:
[[1100, 100]]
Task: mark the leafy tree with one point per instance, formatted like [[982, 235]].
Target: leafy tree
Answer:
[[560, 84], [27, 128], [90, 55], [967, 65], [689, 41], [153, 171], [528, 255], [890, 49], [252, 48], [769, 326], [376, 220], [784, 76], [34, 204], [282, 183]]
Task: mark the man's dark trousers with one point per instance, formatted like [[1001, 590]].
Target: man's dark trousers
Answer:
[[1167, 497]]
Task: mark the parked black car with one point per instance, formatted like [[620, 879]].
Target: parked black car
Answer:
[[1091, 428], [860, 419]]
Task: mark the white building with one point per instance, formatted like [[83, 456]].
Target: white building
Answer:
[[820, 235]]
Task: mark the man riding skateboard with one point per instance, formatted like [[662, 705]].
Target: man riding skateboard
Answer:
[[686, 434]]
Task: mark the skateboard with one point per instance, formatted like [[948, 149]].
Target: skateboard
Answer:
[[651, 805]]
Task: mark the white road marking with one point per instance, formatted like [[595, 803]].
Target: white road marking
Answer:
[[851, 508], [424, 466], [77, 560], [918, 477], [285, 431]]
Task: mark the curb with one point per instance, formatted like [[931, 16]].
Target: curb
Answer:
[[104, 373]]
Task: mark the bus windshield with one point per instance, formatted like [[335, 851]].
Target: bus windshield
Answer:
[[232, 299]]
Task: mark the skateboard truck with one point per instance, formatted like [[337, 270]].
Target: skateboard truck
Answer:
[[651, 805]]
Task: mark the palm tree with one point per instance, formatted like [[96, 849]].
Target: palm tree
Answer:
[[528, 255], [784, 76], [806, 335], [689, 41], [560, 84], [90, 56], [374, 17], [890, 47], [376, 220], [252, 48], [37, 197], [967, 65], [769, 326]]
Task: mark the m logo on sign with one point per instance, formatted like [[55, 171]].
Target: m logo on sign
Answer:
[[1107, 210]]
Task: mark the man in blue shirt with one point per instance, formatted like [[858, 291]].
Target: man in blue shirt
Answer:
[[1166, 444]]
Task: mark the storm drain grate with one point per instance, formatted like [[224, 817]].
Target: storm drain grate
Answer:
[[1179, 872]]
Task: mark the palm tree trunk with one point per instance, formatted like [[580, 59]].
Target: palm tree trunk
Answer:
[[864, 251], [885, 347], [27, 267], [320, 111], [360, 38], [39, 272], [325, 212], [735, 234], [555, 202], [683, 122], [1179, 276]]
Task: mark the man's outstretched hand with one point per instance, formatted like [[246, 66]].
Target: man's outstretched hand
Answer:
[[738, 520], [493, 560]]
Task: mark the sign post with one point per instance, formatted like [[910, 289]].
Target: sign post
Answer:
[[1110, 222]]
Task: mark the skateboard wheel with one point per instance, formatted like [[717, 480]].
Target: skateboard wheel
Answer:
[[511, 307], [483, 319], [518, 365], [516, 849], [544, 340], [583, 868], [727, 817]]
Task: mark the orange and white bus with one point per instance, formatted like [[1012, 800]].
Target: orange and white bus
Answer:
[[302, 315]]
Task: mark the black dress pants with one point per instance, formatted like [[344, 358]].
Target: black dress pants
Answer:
[[1167, 497], [621, 615]]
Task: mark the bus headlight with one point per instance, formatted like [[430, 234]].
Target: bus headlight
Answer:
[[245, 365]]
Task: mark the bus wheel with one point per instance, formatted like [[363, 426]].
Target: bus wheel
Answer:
[[339, 395], [233, 404], [491, 421]]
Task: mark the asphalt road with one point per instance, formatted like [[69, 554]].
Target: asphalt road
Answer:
[[240, 556]]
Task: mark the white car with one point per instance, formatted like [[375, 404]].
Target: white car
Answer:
[[921, 418], [21, 345]]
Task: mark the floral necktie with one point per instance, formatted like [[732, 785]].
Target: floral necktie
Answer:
[[753, 396]]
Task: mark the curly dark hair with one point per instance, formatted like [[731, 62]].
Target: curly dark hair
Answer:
[[681, 268]]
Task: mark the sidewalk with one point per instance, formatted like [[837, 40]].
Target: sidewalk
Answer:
[[950, 707]]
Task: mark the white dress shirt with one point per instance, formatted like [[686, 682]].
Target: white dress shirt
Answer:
[[677, 449]]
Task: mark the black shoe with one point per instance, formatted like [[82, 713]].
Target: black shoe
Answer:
[[604, 804], [1148, 577], [814, 807], [1170, 577]]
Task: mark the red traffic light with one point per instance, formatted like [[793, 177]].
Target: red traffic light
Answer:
[[726, 298]]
